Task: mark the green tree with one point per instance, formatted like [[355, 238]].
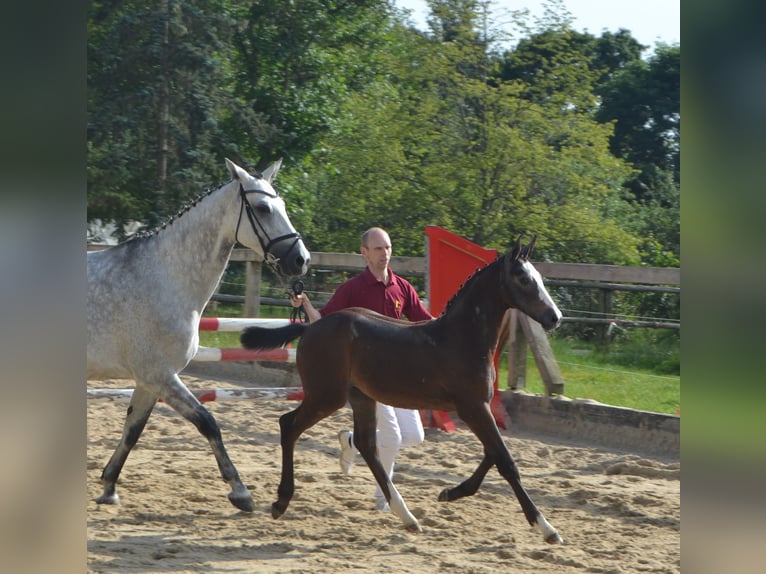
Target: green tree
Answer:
[[441, 139], [640, 99], [643, 101], [157, 80], [295, 68]]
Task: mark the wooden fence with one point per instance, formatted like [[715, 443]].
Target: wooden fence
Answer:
[[606, 278], [522, 334]]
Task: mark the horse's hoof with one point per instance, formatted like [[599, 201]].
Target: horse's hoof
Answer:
[[444, 495], [276, 510], [108, 499], [554, 538], [242, 501]]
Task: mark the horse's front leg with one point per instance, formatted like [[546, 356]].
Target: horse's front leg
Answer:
[[365, 440], [141, 404], [480, 420], [186, 404]]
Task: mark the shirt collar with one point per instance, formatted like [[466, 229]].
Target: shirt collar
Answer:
[[370, 279]]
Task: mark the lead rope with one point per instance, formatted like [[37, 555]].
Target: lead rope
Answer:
[[298, 314]]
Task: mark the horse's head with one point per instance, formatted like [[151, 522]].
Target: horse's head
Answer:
[[525, 286], [263, 224]]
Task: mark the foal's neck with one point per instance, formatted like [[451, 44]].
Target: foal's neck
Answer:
[[479, 306]]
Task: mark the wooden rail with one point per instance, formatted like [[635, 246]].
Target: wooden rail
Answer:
[[417, 266], [606, 277]]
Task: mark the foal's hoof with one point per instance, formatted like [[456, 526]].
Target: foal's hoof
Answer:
[[413, 527], [242, 501], [554, 538], [277, 510]]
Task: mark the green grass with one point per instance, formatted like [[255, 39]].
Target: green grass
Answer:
[[604, 376], [641, 373]]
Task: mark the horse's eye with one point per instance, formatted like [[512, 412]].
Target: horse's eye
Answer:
[[524, 280], [263, 209]]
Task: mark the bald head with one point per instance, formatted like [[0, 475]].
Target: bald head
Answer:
[[375, 235], [376, 250]]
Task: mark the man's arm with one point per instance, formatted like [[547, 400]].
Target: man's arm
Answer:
[[302, 299], [339, 300]]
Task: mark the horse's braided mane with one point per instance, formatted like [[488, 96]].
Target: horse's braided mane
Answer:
[[184, 209], [468, 282], [172, 218]]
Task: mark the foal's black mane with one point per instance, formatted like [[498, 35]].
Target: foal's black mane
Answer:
[[472, 279]]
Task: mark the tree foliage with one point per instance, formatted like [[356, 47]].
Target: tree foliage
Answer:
[[567, 135], [156, 90]]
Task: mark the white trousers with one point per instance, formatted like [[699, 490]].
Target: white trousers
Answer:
[[396, 428]]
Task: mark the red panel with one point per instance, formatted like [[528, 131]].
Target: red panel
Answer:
[[451, 260]]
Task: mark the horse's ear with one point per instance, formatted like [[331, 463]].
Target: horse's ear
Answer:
[[516, 250], [529, 248], [235, 171], [271, 172]]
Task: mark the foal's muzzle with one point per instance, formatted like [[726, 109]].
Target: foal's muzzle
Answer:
[[551, 319]]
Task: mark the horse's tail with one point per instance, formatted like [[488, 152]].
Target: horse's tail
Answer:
[[271, 338]]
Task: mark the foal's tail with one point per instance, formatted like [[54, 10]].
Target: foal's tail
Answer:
[[271, 338]]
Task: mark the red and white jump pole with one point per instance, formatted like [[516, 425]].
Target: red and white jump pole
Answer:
[[237, 324], [212, 354], [210, 395]]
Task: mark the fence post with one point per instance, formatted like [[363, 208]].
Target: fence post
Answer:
[[517, 354], [541, 350], [252, 289], [606, 311]]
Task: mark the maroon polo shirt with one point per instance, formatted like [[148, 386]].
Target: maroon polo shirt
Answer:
[[393, 300]]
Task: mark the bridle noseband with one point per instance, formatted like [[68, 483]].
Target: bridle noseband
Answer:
[[260, 232]]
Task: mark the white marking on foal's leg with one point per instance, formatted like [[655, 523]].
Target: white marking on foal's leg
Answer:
[[400, 509], [549, 533]]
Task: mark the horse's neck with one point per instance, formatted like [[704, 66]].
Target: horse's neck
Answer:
[[194, 249], [479, 308]]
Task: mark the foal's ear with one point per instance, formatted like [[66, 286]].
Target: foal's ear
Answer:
[[516, 251], [271, 172], [529, 248]]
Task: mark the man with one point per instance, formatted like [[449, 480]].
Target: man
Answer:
[[379, 289]]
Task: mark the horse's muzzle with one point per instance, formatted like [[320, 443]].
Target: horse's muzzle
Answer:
[[297, 260]]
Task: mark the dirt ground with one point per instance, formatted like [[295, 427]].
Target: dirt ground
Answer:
[[617, 512]]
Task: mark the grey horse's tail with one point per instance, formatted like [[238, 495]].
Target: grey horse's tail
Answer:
[[271, 338]]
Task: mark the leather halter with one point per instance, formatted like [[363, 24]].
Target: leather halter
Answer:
[[260, 232]]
